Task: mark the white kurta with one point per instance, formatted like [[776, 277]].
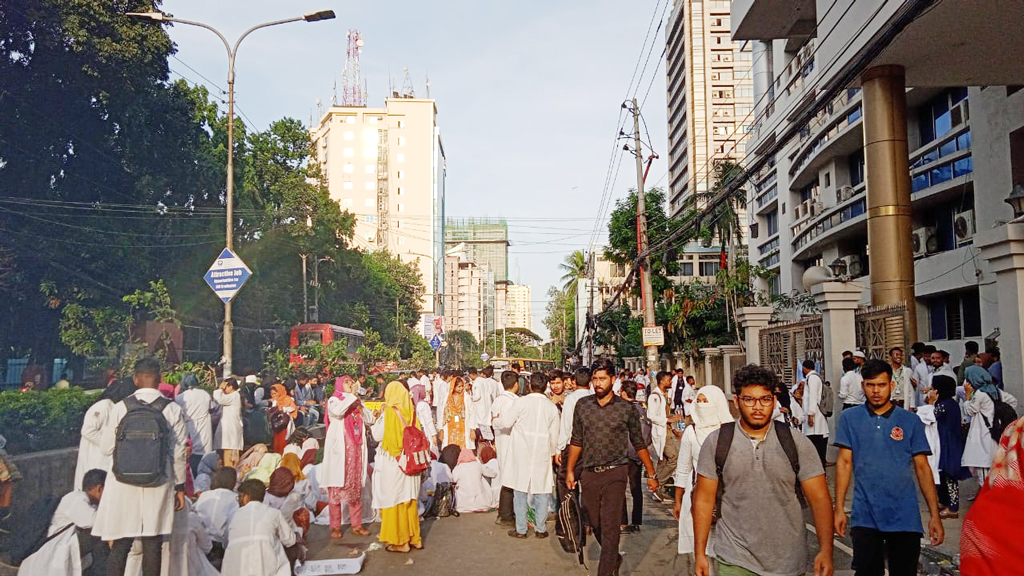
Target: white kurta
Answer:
[[689, 450], [979, 447], [229, 432], [534, 422], [197, 403], [74, 508], [503, 435], [256, 541], [391, 486], [689, 395], [812, 397], [61, 556], [472, 490], [216, 507], [185, 553], [440, 398], [127, 511], [332, 472], [90, 454], [481, 400], [426, 418], [659, 421], [931, 431]]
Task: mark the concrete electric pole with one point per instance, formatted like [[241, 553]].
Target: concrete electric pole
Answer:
[[641, 233]]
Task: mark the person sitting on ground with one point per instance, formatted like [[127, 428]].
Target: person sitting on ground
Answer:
[[70, 533], [217, 505], [472, 491], [204, 477], [258, 536], [282, 496]]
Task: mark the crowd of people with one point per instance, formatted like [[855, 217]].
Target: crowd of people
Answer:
[[174, 480]]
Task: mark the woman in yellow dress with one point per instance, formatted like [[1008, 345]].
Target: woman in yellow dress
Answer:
[[394, 492]]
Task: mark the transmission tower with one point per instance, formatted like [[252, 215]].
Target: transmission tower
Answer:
[[383, 217], [352, 89], [408, 91]]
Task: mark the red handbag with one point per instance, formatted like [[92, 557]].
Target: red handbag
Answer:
[[415, 457]]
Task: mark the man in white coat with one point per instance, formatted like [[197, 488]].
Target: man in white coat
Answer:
[[217, 505], [71, 539], [228, 438], [440, 397], [480, 398], [145, 512], [197, 404], [503, 445], [258, 536], [534, 423], [815, 425], [657, 413]]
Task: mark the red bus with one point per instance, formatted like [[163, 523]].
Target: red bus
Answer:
[[310, 334]]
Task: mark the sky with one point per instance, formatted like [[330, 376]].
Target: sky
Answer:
[[528, 96]]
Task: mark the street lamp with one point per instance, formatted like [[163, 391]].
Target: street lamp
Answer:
[[232, 51], [1016, 200]]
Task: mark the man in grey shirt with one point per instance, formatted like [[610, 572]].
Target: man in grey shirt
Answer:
[[760, 528]]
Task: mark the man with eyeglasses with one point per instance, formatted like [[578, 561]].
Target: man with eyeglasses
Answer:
[[763, 470]]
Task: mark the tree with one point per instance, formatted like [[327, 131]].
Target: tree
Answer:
[[622, 238], [560, 321], [575, 267]]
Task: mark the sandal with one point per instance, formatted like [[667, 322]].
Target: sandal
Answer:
[[420, 547], [335, 534], [361, 531], [398, 549]]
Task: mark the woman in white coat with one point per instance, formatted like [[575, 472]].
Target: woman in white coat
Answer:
[[472, 490], [90, 455], [228, 437], [196, 404], [980, 406], [394, 492], [343, 472], [709, 412]]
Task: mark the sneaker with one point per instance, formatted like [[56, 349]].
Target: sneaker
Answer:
[[631, 529], [540, 534], [515, 534], [659, 498], [501, 522]]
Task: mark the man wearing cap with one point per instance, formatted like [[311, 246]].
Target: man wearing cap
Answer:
[[858, 359]]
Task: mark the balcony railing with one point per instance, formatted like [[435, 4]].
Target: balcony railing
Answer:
[[942, 160], [809, 229], [808, 153]]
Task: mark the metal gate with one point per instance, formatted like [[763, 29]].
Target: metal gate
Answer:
[[880, 328], [784, 346]]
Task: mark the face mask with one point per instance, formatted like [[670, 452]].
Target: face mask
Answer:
[[706, 411]]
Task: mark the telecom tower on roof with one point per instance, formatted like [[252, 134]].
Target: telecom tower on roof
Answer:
[[352, 86]]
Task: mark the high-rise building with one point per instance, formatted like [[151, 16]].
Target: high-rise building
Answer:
[[464, 299], [710, 96], [387, 166], [485, 243], [520, 314]]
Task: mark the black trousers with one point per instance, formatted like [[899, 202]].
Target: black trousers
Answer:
[[89, 544], [603, 499], [636, 490], [872, 547], [820, 444], [151, 556], [505, 508]]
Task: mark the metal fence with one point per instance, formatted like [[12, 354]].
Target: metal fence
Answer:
[[880, 328], [785, 345]]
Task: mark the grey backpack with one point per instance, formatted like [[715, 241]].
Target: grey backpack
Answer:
[[142, 448]]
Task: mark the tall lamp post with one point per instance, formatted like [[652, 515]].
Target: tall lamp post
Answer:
[[230, 193]]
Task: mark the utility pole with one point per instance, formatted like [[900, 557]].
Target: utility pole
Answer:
[[641, 232], [591, 322], [305, 291]]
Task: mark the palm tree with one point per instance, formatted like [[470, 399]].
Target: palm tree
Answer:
[[575, 267]]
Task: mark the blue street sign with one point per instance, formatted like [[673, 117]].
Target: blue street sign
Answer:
[[435, 342], [227, 274]]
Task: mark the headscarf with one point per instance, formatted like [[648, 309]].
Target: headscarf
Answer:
[[265, 468], [189, 381], [450, 456], [118, 391], [292, 462], [487, 453], [456, 401], [281, 483], [981, 380], [396, 401], [709, 416], [339, 393], [167, 390], [418, 392], [309, 457], [280, 395], [208, 464], [466, 455], [945, 387], [251, 459]]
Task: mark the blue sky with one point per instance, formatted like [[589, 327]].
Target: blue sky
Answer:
[[528, 96]]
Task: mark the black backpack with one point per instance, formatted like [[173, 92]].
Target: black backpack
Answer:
[[32, 529], [142, 449], [443, 504], [572, 535], [785, 436], [1002, 416]]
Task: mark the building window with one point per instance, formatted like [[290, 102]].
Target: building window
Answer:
[[401, 174], [346, 186], [348, 169], [350, 135], [401, 123], [347, 202], [955, 316], [938, 116], [401, 240], [370, 185], [856, 164], [350, 119], [399, 190], [369, 169], [368, 202], [398, 224], [828, 179], [771, 222], [400, 157], [401, 140], [370, 119], [686, 269], [348, 152], [710, 267], [401, 206]]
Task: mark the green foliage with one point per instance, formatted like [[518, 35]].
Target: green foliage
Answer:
[[203, 372], [560, 321], [45, 420], [575, 267], [622, 244], [373, 351], [156, 301]]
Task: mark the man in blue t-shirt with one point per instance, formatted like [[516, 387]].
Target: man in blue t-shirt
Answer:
[[884, 446]]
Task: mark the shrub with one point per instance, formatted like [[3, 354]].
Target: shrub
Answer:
[[45, 420]]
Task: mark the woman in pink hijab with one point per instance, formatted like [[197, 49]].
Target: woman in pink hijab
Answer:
[[473, 492], [343, 473]]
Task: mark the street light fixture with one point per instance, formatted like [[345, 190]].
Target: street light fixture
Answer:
[[1016, 200], [838, 267], [230, 191]]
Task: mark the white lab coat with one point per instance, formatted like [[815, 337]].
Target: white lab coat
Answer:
[[503, 435], [979, 447], [197, 404], [229, 432], [127, 511], [216, 507], [61, 556], [659, 421], [931, 431], [812, 397], [850, 389], [332, 473], [391, 486], [689, 451], [426, 417], [256, 541], [482, 396], [184, 553], [534, 423], [568, 410], [903, 380], [90, 454], [440, 398], [472, 490]]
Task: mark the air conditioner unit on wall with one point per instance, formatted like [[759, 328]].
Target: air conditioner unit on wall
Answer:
[[854, 265], [963, 227], [817, 207], [798, 211], [924, 241], [844, 193]]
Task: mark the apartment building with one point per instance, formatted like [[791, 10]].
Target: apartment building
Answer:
[[520, 311], [387, 167], [464, 301]]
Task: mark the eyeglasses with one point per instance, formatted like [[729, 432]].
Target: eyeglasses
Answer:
[[765, 401]]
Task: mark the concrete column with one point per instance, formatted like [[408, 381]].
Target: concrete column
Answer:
[[838, 304], [733, 358], [752, 320], [709, 353], [1003, 247], [887, 170]]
